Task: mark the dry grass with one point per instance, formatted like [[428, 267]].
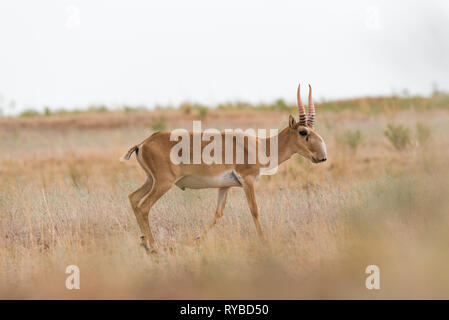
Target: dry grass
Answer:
[[63, 200]]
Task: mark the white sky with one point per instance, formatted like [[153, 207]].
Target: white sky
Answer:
[[76, 53]]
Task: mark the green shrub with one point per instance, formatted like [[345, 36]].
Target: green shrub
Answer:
[[399, 136], [128, 109], [186, 108], [280, 105], [203, 110], [98, 109], [47, 111], [29, 113], [423, 133], [352, 139], [159, 124]]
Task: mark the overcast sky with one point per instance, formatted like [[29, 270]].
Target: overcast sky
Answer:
[[114, 52]]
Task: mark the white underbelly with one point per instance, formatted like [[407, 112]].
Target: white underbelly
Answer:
[[226, 179]]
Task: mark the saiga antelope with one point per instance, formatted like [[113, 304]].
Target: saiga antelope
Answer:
[[153, 155]]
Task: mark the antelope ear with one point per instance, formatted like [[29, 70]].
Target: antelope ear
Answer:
[[291, 122]]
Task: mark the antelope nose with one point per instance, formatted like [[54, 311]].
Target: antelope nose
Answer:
[[324, 159]]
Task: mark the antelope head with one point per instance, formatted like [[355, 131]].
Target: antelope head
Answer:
[[304, 140]]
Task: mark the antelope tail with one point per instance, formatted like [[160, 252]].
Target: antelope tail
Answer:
[[126, 156]]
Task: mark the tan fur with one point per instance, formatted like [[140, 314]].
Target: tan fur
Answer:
[[153, 155]]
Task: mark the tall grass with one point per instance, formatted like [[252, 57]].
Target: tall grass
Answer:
[[63, 200]]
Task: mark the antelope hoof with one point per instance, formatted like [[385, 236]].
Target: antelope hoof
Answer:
[[198, 240], [148, 250], [144, 244]]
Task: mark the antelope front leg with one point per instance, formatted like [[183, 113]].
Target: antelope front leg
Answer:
[[221, 202], [248, 187]]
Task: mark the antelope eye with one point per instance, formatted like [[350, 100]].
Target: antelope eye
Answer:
[[303, 132]]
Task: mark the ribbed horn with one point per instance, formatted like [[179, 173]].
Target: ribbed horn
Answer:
[[301, 109], [311, 108]]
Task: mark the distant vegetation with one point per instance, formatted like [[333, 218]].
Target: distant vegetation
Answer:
[[159, 124], [61, 111], [366, 105]]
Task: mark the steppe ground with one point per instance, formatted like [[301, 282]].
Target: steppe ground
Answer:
[[63, 201]]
